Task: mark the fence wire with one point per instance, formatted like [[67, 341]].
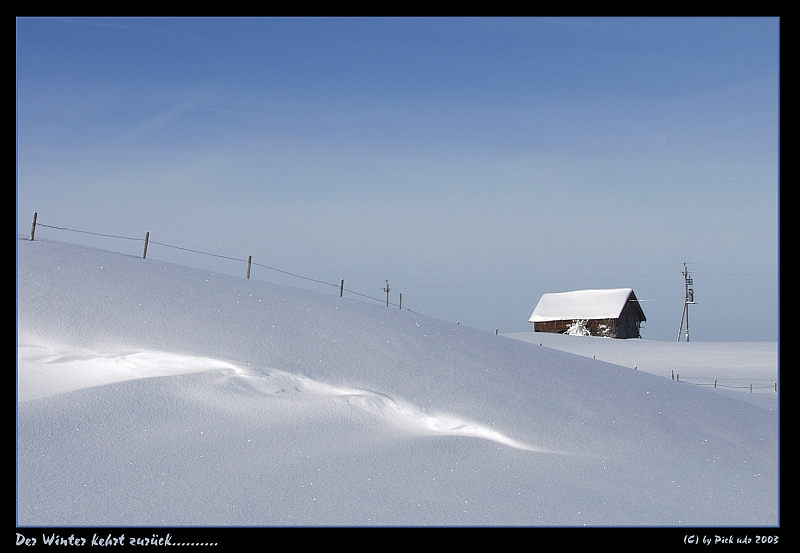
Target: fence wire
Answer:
[[37, 224], [92, 233], [717, 383]]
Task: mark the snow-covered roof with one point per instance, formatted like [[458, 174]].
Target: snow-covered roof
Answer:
[[581, 304]]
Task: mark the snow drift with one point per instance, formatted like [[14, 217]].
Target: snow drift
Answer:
[[156, 394]]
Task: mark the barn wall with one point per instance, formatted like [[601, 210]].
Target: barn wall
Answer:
[[628, 323], [597, 327], [606, 328], [627, 326], [553, 327]]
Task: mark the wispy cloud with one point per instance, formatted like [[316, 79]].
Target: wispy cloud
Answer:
[[157, 121]]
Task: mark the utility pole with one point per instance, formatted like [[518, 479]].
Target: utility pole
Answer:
[[387, 293], [688, 300]]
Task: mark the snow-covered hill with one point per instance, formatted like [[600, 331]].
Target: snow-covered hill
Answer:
[[746, 370], [156, 394]]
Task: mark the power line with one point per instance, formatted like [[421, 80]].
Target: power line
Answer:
[[736, 274], [657, 299]]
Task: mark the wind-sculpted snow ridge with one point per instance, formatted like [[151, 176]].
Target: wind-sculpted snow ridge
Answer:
[[407, 416], [47, 371]]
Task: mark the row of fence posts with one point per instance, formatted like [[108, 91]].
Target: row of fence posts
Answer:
[[677, 377], [249, 262]]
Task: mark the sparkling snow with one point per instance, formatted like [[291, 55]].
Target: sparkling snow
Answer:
[[156, 394]]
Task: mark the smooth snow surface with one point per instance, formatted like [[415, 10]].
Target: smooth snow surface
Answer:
[[733, 365], [151, 394]]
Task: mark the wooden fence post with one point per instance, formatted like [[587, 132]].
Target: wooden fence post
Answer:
[[401, 300], [341, 288], [249, 263], [146, 242], [33, 226]]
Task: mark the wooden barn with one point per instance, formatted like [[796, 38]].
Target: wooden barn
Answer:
[[611, 313]]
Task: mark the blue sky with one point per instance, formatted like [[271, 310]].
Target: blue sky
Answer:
[[475, 163]]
